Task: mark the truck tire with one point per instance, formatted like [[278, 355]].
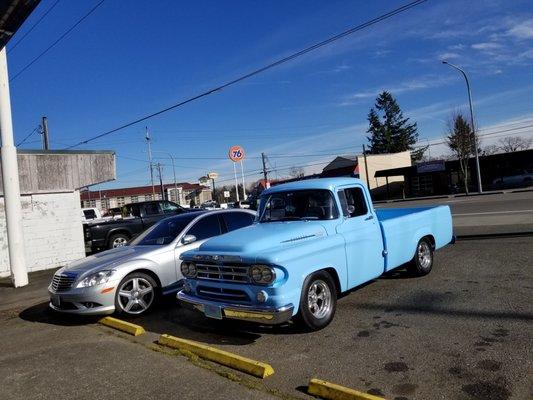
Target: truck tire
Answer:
[[318, 302], [118, 240], [422, 261], [136, 294]]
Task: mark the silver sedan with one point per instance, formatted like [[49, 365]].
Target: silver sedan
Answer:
[[130, 279]]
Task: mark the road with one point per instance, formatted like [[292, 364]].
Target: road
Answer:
[[477, 215], [463, 332]]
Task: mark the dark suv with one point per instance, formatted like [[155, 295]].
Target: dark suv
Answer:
[[136, 217]]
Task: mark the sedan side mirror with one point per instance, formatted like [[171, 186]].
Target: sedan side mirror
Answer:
[[187, 239]]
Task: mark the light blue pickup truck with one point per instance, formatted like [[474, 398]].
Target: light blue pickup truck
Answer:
[[311, 241]]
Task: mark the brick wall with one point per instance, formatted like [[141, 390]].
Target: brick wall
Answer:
[[52, 231]]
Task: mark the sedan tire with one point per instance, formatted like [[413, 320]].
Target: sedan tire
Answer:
[[136, 294]]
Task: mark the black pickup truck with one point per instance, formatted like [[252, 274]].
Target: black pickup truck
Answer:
[[136, 217]]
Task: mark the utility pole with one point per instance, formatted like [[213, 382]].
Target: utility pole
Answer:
[[174, 171], [265, 172], [158, 166], [480, 188], [366, 168], [150, 161], [10, 181], [46, 144]]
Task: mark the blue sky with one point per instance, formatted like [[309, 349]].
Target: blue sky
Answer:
[[127, 61]]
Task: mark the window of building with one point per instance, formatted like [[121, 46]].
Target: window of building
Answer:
[[148, 197], [134, 199], [205, 228], [353, 202], [105, 204], [120, 201]]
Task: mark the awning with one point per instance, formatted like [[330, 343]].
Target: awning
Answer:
[[12, 14]]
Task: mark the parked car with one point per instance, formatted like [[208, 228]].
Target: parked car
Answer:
[[314, 240], [517, 178], [129, 279], [136, 218], [91, 213], [210, 205]]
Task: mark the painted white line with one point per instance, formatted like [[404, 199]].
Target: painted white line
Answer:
[[495, 212]]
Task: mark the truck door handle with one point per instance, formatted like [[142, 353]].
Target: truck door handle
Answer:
[[369, 218]]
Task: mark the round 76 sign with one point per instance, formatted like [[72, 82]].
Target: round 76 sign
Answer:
[[236, 153]]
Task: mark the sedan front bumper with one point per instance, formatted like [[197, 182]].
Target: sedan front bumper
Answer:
[[268, 316], [83, 302]]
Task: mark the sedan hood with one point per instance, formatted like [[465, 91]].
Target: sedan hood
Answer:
[[108, 259], [257, 238]]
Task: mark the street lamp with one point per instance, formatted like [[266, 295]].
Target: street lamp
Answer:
[[173, 170], [480, 188]]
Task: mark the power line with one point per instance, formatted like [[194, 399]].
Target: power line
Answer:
[[260, 70], [28, 136], [32, 27], [56, 41]]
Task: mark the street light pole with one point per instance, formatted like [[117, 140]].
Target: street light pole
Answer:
[[173, 170], [480, 188]]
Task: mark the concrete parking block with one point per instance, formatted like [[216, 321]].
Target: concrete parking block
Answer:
[[123, 326], [252, 367], [331, 391]]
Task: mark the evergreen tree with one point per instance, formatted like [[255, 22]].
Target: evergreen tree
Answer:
[[395, 133]]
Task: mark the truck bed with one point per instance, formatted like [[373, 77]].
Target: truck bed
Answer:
[[402, 228]]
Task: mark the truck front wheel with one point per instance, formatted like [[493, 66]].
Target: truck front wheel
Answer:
[[318, 302], [422, 261]]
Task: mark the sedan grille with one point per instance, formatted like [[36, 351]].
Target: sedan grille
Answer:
[[223, 273], [61, 282]]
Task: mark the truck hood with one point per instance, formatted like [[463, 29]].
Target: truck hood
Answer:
[[110, 259], [259, 237]]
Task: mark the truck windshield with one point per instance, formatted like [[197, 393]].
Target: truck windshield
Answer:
[[298, 205], [164, 232]]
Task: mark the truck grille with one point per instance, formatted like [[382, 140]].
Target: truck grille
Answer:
[[223, 273], [61, 282], [214, 293]]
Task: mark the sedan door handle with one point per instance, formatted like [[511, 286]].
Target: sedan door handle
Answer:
[[369, 218]]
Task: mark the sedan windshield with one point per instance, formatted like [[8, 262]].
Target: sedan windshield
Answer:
[[298, 205], [164, 232]]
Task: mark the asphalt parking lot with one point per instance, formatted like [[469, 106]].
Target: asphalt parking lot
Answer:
[[463, 332]]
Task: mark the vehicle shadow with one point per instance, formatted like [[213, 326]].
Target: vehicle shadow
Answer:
[[174, 320], [43, 314]]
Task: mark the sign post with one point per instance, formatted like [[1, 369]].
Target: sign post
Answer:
[[236, 154]]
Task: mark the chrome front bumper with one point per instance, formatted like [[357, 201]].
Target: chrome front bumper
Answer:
[[267, 316]]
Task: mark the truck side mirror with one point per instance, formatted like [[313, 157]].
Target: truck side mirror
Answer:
[[187, 239]]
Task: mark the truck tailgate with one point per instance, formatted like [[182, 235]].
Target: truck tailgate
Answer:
[[402, 228]]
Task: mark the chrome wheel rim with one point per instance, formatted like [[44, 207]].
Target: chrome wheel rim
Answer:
[[119, 242], [135, 295], [424, 255], [319, 299]]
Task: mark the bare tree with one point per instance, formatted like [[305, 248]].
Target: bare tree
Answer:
[[514, 143], [297, 172], [461, 140], [490, 149]]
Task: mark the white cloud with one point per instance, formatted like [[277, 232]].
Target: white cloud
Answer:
[[523, 30], [486, 46], [448, 56], [426, 82]]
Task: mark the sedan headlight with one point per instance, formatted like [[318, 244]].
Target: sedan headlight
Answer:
[[98, 278], [262, 274], [188, 269]]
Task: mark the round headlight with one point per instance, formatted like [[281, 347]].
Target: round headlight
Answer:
[[188, 269], [262, 274]]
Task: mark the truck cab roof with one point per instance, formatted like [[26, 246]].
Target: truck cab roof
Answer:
[[321, 183]]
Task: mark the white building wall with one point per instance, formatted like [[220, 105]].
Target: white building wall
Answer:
[[377, 162], [53, 231]]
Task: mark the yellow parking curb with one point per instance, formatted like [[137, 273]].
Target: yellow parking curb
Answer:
[[228, 359], [331, 391], [123, 326]]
